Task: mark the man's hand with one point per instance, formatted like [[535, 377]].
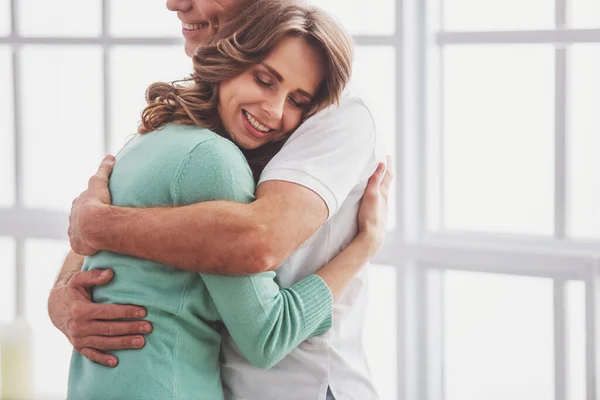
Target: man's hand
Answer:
[[85, 206], [92, 327]]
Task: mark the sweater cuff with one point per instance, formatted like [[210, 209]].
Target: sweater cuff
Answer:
[[318, 304]]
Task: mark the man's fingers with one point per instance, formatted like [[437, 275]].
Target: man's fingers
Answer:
[[114, 311], [115, 328], [112, 342], [88, 279], [99, 357], [103, 173]]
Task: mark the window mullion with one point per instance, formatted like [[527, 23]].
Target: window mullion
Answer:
[[592, 328], [562, 36], [560, 340], [560, 126], [18, 159], [560, 143], [106, 76]]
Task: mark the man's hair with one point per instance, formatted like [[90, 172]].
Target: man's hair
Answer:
[[243, 42]]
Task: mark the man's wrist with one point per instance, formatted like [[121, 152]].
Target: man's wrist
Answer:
[[96, 226]]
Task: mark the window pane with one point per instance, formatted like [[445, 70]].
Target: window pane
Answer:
[[584, 13], [60, 17], [495, 15], [51, 350], [4, 17], [380, 330], [576, 345], [157, 20], [583, 167], [498, 337], [374, 80], [7, 160], [498, 135], [133, 70], [7, 279], [62, 123], [362, 17]]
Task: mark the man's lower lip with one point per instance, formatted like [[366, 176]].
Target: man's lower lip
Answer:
[[189, 33]]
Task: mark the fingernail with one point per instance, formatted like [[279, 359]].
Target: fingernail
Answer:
[[112, 362], [137, 342], [140, 313], [145, 328], [108, 159], [104, 273]]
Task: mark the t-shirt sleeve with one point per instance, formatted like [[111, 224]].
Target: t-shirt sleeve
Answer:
[[265, 321], [328, 153]]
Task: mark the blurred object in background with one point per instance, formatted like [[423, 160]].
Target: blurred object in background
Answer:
[[15, 361]]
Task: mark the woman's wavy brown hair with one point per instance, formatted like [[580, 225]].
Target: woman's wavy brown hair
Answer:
[[243, 42]]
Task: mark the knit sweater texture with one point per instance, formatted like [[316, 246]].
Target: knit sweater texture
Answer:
[[175, 166]]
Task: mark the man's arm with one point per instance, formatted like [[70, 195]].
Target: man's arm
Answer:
[[211, 237], [326, 158], [91, 327], [73, 263]]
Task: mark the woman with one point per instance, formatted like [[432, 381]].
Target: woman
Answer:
[[268, 70]]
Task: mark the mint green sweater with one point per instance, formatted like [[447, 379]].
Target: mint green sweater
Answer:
[[181, 165]]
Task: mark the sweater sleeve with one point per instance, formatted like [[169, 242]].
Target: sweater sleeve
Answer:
[[266, 322]]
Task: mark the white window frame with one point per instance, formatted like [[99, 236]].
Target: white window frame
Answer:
[[421, 256], [21, 222]]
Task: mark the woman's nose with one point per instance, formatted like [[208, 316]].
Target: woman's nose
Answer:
[[274, 107]]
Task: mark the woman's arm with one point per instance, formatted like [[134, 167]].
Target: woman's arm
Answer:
[[268, 323], [372, 218]]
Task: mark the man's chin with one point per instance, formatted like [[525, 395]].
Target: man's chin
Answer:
[[190, 48]]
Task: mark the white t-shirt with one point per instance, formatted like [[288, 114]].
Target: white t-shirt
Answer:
[[333, 153]]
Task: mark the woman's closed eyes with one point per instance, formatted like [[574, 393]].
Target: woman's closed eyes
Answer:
[[267, 84]]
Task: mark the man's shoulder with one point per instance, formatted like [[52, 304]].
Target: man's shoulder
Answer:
[[350, 106], [351, 120]]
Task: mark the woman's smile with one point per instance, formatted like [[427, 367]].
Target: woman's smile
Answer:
[[267, 102], [254, 127]]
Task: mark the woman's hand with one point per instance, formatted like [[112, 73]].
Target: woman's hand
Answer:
[[373, 212]]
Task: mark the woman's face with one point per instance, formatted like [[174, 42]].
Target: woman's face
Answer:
[[269, 100]]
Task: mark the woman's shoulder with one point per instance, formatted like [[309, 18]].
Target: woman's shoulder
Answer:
[[192, 141], [198, 137]]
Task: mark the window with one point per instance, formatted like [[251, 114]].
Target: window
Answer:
[[497, 241]]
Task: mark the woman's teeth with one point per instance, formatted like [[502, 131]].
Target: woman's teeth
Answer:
[[193, 27], [257, 125]]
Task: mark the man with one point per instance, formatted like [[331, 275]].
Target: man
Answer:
[[305, 211]]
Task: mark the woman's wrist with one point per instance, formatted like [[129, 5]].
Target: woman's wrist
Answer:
[[369, 241]]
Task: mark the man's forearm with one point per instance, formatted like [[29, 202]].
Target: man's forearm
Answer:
[[212, 237], [72, 264]]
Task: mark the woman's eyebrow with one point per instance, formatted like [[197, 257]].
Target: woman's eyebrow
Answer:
[[278, 76], [273, 71]]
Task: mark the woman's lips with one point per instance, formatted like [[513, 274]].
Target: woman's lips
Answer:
[[252, 130]]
